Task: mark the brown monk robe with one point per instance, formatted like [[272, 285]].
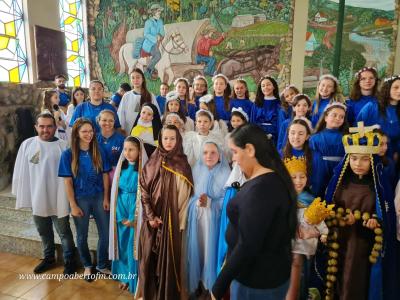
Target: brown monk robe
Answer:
[[356, 241], [166, 185]]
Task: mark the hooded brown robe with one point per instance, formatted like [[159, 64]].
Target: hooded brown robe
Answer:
[[166, 185]]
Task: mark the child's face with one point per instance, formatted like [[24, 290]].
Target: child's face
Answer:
[[168, 139], [395, 90], [289, 95], [299, 181], [267, 88], [174, 121], [163, 90], [146, 115], [297, 136], [199, 87], [106, 121], [360, 164], [236, 121], [131, 151], [301, 108], [203, 125], [240, 90], [79, 96], [203, 105], [181, 89], [383, 146], [173, 106], [55, 99], [335, 118], [136, 80], [326, 88], [210, 155], [219, 86], [367, 81]]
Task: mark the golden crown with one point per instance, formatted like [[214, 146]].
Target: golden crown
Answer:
[[296, 164], [317, 211], [362, 140]]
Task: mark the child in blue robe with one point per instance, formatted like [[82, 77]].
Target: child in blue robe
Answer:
[[301, 109], [161, 99], [182, 88], [204, 212], [326, 145], [241, 97], [266, 109], [287, 97], [221, 94], [386, 113], [200, 88], [126, 212], [327, 92], [365, 90]]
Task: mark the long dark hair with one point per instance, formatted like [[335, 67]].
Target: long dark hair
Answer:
[[321, 125], [135, 141], [77, 89], [287, 150], [297, 99], [145, 96], [268, 157], [284, 104], [384, 97], [179, 112], [259, 101], [227, 93], [355, 93]]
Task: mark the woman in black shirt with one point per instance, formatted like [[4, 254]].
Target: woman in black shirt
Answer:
[[262, 220]]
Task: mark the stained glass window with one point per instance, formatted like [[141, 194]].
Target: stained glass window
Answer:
[[13, 64], [71, 22]]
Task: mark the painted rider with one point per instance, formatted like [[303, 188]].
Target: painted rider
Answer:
[[153, 35], [204, 53]]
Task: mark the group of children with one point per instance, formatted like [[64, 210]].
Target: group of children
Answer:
[[312, 137]]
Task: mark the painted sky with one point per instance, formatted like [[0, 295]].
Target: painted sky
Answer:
[[380, 4]]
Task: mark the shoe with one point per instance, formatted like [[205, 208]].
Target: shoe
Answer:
[[87, 275], [69, 268], [46, 264], [104, 271]]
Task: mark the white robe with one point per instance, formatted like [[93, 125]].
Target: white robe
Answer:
[[35, 180], [129, 108], [192, 143]]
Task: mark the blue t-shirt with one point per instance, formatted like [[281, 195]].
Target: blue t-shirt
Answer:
[[112, 146], [116, 99], [64, 98], [90, 111], [161, 103], [88, 181]]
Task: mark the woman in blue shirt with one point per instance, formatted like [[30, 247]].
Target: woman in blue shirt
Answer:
[[85, 169], [91, 109]]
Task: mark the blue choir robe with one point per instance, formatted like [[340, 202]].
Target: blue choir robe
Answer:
[[328, 151], [191, 109], [282, 136], [125, 210], [222, 114], [284, 115], [161, 103], [203, 223], [245, 104], [355, 106], [267, 117], [296, 153], [389, 123], [317, 114]]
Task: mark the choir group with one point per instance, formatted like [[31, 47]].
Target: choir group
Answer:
[[157, 176]]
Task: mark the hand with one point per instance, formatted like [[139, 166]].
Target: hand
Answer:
[[76, 211], [203, 200], [323, 238], [371, 223], [350, 219], [156, 222], [128, 223], [212, 296], [306, 233], [106, 205]]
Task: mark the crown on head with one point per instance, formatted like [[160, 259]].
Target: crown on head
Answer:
[[296, 164], [393, 78], [317, 211], [362, 140]]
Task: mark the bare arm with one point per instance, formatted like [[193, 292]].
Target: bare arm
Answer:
[[69, 187]]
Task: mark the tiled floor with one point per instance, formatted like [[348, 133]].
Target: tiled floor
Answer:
[[11, 287]]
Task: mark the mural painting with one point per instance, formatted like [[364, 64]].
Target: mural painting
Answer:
[[369, 39], [178, 38]]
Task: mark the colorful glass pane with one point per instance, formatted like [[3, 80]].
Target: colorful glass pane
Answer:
[[71, 22], [13, 62]]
